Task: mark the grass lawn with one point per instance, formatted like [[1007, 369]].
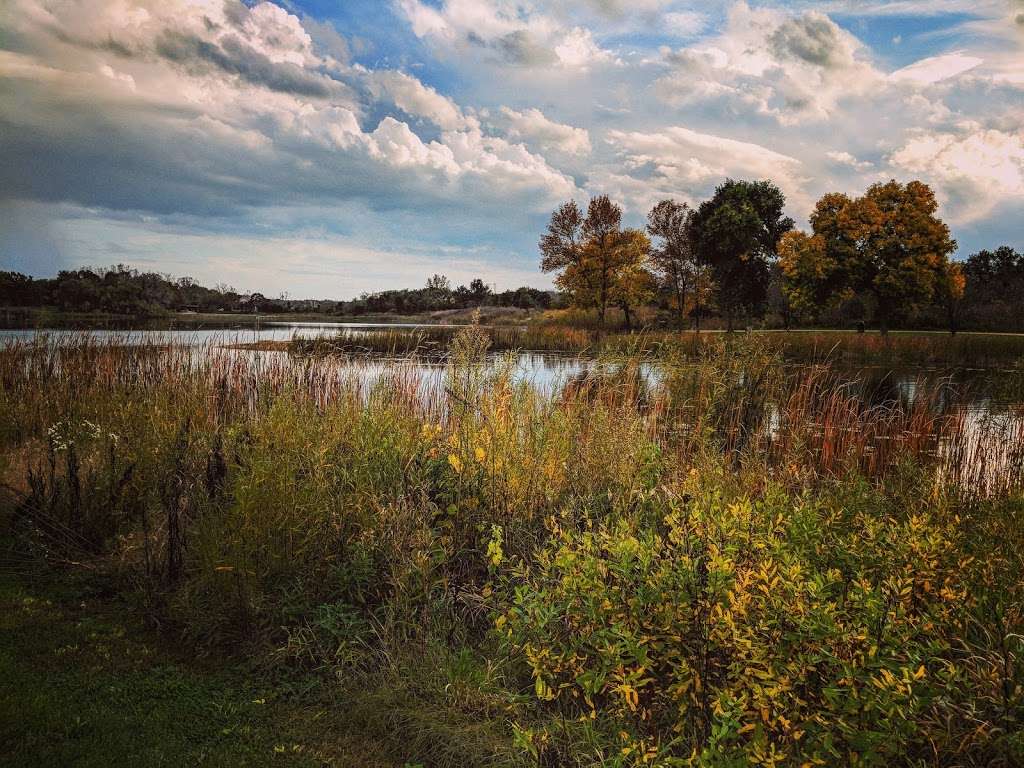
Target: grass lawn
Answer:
[[84, 683]]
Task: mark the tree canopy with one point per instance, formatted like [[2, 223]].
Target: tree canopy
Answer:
[[736, 233], [887, 246], [598, 262], [673, 258]]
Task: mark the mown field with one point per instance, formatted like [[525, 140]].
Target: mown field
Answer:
[[228, 559]]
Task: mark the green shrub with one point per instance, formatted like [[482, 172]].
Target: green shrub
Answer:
[[782, 630]]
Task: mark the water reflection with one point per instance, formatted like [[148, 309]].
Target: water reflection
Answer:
[[200, 336]]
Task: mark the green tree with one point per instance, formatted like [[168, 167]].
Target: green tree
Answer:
[[886, 246], [439, 291], [995, 283], [736, 233]]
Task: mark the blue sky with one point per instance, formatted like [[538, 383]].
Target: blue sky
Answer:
[[331, 148]]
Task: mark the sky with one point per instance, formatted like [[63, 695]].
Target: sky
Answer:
[[326, 148]]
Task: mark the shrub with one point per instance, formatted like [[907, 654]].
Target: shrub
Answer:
[[778, 630]]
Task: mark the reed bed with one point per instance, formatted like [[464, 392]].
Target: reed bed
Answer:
[[707, 557], [906, 350]]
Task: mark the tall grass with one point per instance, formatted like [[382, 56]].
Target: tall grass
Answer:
[[722, 562], [903, 350]]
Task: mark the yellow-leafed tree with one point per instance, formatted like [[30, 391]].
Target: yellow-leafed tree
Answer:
[[887, 246]]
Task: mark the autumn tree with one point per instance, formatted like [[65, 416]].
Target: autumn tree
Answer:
[[599, 263], [886, 246], [633, 285], [736, 233], [673, 257]]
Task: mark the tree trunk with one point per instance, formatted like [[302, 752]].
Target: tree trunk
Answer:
[[629, 317], [681, 298]]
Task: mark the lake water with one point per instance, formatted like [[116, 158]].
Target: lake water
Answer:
[[546, 371], [198, 336], [983, 390]]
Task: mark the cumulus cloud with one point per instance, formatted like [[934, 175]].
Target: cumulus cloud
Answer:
[[232, 114], [790, 68], [975, 169], [845, 158], [208, 108], [510, 32], [532, 126], [684, 163], [416, 99]]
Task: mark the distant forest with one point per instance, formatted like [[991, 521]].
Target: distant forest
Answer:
[[121, 290]]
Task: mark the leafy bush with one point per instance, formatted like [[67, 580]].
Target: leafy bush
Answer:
[[779, 630]]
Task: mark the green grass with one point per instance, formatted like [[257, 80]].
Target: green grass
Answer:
[[84, 683]]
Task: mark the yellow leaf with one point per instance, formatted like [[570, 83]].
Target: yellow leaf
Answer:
[[455, 462]]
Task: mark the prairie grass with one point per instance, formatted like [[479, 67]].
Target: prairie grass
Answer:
[[722, 560]]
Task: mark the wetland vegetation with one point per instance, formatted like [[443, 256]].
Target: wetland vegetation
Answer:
[[703, 556]]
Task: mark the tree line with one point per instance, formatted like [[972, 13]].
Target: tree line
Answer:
[[881, 259], [438, 294], [121, 290]]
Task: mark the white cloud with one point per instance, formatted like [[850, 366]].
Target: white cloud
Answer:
[[684, 23], [577, 49], [975, 169], [791, 68], [935, 69], [683, 163], [221, 112], [496, 167], [845, 158], [425, 20], [416, 99], [532, 126], [507, 32], [174, 94]]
